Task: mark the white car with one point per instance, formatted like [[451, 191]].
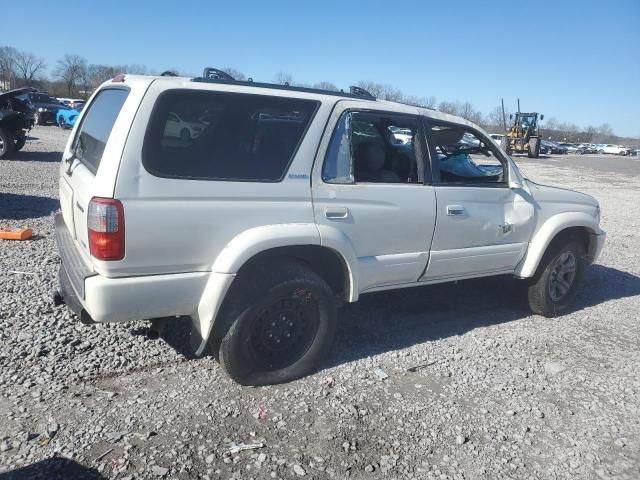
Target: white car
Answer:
[[614, 149], [176, 127], [498, 137], [292, 201]]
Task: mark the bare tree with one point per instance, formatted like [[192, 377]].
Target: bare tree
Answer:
[[71, 70], [7, 67], [375, 89], [28, 66], [283, 78], [237, 74], [96, 74], [448, 107], [326, 86]]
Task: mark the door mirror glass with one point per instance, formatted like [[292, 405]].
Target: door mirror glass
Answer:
[[541, 117]]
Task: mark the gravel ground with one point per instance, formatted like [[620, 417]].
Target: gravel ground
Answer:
[[455, 381]]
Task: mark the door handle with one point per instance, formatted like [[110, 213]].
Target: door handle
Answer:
[[336, 213], [455, 210]]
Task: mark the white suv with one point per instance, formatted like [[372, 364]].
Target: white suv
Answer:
[[288, 202]]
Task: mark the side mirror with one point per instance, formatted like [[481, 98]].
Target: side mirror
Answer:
[[541, 117]]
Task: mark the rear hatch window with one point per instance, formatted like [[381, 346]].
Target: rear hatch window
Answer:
[[224, 136], [96, 126]]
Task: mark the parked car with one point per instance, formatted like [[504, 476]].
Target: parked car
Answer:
[[498, 137], [66, 117], [176, 127], [614, 149], [16, 119], [290, 202], [402, 135], [45, 106], [548, 147]]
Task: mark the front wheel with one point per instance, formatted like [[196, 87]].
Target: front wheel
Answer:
[[61, 123], [20, 142], [559, 275], [282, 324], [7, 144]]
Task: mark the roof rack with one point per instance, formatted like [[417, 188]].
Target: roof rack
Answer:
[[214, 75]]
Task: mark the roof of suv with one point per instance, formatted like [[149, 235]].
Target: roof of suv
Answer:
[[363, 97]]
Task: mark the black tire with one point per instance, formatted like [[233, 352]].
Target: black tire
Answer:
[[601, 152], [553, 289], [185, 135], [37, 119], [534, 148], [7, 143], [278, 323], [20, 142], [62, 123]]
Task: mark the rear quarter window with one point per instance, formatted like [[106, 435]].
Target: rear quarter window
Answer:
[[204, 135], [96, 126]]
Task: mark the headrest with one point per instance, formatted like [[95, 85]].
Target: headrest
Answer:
[[370, 157], [447, 135]]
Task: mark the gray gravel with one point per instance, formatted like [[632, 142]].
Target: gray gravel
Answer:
[[455, 381]]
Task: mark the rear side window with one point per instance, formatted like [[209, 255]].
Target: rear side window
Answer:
[[96, 126], [224, 136]]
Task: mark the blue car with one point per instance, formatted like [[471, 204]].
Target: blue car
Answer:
[[66, 117]]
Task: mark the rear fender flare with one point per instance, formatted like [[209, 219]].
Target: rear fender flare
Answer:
[[244, 247]]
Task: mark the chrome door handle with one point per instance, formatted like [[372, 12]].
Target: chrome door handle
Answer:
[[336, 212], [455, 210]]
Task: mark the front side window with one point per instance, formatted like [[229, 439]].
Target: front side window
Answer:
[[96, 127], [464, 157], [374, 147], [205, 135]]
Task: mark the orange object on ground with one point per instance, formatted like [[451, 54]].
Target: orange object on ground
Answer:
[[16, 234]]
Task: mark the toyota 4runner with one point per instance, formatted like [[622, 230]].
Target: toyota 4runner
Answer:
[[267, 206]]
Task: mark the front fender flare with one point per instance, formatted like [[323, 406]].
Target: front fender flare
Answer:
[[545, 235]]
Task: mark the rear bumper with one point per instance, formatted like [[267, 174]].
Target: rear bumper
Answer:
[[96, 298]]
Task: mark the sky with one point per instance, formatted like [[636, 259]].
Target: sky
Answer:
[[577, 61]]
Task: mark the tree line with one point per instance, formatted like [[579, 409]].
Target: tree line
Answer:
[[72, 76]]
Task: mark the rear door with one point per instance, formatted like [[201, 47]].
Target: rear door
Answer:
[[92, 156], [369, 185]]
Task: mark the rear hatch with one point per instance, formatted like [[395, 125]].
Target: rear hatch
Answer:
[[92, 156]]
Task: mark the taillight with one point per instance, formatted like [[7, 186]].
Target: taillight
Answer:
[[105, 222]]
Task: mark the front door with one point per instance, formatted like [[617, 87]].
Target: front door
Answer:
[[369, 188], [483, 225]]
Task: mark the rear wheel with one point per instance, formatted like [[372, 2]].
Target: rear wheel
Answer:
[[558, 278], [278, 325], [7, 143]]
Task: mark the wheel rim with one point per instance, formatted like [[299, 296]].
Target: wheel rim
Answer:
[[563, 274], [283, 332]]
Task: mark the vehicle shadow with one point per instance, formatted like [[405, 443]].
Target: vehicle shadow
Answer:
[[37, 156], [20, 207], [398, 319], [53, 469]]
